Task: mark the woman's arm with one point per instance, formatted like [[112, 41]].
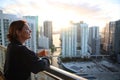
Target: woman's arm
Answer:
[[34, 63]]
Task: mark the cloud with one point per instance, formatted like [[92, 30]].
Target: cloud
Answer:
[[92, 12]]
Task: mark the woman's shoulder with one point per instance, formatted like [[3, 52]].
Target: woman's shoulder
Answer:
[[16, 46]]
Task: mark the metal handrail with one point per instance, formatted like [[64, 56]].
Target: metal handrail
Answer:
[[64, 75]]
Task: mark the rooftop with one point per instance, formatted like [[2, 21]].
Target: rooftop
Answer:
[[99, 70]]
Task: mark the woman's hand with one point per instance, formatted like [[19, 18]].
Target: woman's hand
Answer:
[[42, 53]]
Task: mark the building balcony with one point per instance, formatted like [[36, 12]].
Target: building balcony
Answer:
[[53, 73]]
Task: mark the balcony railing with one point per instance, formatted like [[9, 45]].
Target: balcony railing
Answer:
[[2, 57], [53, 73]]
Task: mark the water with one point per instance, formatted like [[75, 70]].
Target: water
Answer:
[[56, 42], [54, 59]]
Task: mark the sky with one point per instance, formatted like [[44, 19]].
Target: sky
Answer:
[[61, 12]]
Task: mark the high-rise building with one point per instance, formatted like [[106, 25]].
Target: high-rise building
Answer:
[[48, 32], [113, 39], [106, 38], [83, 40], [43, 40], [102, 36], [116, 40], [75, 41], [94, 40], [33, 24], [69, 41], [5, 20]]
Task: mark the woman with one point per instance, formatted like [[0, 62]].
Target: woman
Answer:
[[20, 61]]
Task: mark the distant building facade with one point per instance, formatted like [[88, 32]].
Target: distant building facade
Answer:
[[94, 40], [83, 40], [112, 44], [5, 20], [43, 40], [75, 41], [116, 40], [106, 38], [48, 31], [69, 41]]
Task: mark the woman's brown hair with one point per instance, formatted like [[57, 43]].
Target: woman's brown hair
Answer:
[[14, 27]]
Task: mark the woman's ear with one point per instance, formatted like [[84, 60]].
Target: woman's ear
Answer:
[[18, 33]]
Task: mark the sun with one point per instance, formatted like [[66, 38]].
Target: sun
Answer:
[[60, 24]]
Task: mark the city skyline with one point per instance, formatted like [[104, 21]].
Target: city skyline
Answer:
[[60, 12]]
